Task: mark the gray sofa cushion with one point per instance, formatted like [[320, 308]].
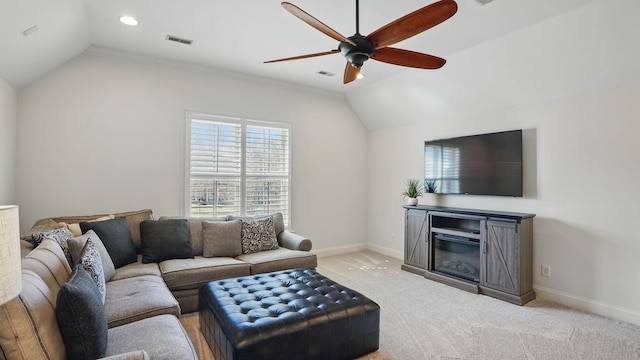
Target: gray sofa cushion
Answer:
[[137, 298], [181, 274], [116, 237], [133, 355], [162, 337], [81, 317], [137, 269], [279, 259], [221, 238], [29, 327], [163, 240], [77, 244]]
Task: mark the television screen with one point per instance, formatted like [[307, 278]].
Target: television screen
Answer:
[[487, 164]]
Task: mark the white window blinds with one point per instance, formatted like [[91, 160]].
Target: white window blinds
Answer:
[[237, 167]]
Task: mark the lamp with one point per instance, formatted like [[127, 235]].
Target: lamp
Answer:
[[10, 273]]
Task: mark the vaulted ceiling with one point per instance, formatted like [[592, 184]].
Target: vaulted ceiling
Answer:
[[37, 36], [239, 35]]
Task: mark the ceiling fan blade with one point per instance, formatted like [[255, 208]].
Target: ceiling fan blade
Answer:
[[317, 24], [408, 58], [414, 23], [304, 56], [350, 73]]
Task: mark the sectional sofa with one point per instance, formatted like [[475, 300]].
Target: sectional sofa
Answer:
[[143, 298]]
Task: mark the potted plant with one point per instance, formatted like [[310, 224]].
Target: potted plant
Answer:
[[430, 186], [412, 191]]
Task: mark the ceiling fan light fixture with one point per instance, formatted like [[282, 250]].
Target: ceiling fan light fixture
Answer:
[[360, 76], [129, 20], [483, 2]]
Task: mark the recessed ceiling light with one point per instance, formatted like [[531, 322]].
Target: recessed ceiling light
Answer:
[[128, 20]]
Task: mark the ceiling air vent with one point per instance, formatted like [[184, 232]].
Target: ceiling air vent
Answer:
[[179, 40], [326, 73], [483, 2]]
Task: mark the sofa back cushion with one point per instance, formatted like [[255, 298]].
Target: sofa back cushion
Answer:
[[49, 263], [134, 218], [29, 328]]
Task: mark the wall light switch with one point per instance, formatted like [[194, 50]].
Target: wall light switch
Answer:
[[545, 270]]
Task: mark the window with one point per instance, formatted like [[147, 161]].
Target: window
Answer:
[[237, 167]]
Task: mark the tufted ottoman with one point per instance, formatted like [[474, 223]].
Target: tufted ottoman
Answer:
[[291, 314]]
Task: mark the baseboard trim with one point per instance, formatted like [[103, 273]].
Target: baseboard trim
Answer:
[[588, 305], [386, 251], [339, 250]]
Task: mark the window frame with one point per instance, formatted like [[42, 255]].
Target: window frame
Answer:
[[244, 122]]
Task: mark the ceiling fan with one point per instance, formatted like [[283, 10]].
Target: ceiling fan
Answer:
[[358, 48]]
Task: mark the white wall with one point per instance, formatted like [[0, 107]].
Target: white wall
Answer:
[[102, 135], [582, 172], [574, 89], [8, 118]]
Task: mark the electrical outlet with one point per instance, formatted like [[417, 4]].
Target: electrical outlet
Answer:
[[545, 270], [393, 238]]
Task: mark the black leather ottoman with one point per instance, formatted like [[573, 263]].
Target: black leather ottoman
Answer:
[[291, 314]]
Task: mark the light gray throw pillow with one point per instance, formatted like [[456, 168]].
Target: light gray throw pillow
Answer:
[[221, 238], [76, 245]]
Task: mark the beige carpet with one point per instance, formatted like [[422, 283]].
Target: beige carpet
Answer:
[[422, 319]]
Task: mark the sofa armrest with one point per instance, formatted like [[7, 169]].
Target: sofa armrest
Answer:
[[293, 241], [132, 355]]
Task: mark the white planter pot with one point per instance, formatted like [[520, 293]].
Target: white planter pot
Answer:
[[412, 201]]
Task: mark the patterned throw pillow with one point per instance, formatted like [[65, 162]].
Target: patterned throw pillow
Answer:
[[92, 263], [58, 235], [258, 234]]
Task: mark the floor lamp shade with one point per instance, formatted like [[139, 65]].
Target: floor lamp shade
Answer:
[[10, 273]]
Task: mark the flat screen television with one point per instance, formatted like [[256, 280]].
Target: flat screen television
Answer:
[[486, 164]]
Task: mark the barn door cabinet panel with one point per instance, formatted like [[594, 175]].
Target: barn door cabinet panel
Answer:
[[508, 264], [415, 241]]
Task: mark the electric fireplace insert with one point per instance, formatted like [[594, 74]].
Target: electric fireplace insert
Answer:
[[456, 256]]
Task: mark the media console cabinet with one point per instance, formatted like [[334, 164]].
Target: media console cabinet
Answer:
[[484, 252]]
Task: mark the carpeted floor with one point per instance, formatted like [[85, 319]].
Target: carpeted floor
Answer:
[[422, 319]]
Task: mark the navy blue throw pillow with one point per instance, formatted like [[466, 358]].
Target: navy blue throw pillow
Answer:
[[81, 317], [166, 239], [116, 237]]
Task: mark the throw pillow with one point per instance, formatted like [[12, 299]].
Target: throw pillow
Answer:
[[76, 245], [91, 262], [116, 238], [258, 234], [163, 240], [58, 235], [221, 238], [81, 317]]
